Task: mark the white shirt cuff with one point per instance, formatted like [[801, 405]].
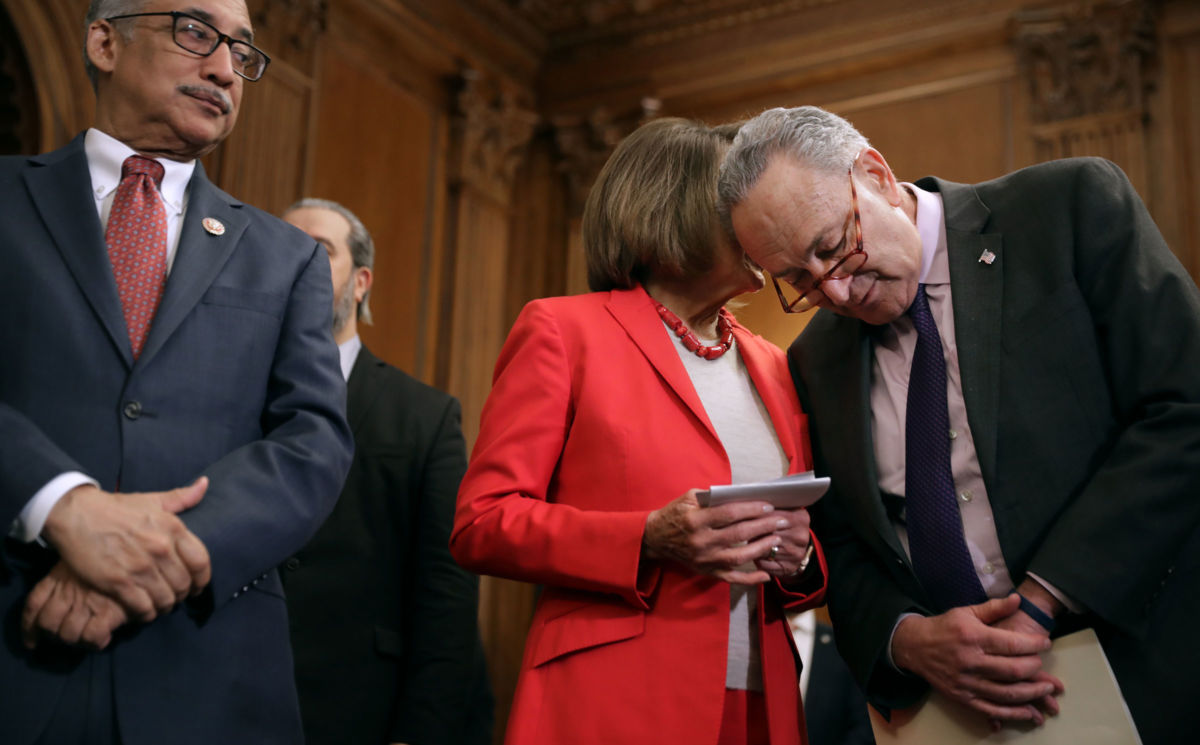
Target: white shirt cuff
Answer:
[[891, 661], [28, 525]]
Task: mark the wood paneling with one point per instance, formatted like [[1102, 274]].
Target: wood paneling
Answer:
[[262, 162], [377, 149], [52, 36], [1175, 134], [539, 230]]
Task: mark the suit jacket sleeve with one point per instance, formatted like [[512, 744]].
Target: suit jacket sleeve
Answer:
[[505, 524], [439, 675], [267, 498], [28, 461]]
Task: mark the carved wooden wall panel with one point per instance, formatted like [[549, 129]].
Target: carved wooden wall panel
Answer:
[[20, 127], [1086, 70], [264, 161], [539, 230], [52, 37], [376, 152], [1175, 134]]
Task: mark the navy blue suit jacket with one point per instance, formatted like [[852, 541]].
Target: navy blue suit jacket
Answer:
[[239, 380]]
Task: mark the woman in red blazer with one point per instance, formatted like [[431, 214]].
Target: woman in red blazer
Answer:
[[661, 621]]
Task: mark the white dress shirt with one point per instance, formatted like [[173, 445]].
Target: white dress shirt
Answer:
[[348, 350]]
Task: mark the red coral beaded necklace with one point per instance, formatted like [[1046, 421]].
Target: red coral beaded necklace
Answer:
[[689, 340]]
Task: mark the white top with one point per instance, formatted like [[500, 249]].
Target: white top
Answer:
[[745, 430]]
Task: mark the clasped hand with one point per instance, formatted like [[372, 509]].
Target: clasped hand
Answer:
[[718, 540], [124, 557], [985, 656]]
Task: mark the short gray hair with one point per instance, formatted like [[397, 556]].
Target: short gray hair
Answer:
[[362, 247], [98, 9], [811, 135]]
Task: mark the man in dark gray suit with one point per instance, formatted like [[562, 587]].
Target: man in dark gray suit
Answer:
[[171, 410], [383, 621], [1002, 380]]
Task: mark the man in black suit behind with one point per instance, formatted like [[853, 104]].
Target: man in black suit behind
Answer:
[[835, 710], [404, 665]]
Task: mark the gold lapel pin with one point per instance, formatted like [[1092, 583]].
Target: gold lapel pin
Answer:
[[216, 227], [987, 257]]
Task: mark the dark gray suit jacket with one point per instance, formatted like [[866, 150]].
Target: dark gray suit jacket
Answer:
[[383, 620], [835, 710], [1079, 350], [239, 380]]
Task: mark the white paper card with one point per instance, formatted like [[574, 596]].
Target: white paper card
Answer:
[[789, 492]]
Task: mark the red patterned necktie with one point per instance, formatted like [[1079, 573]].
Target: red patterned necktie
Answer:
[[136, 238]]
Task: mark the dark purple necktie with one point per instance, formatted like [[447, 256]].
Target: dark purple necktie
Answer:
[[935, 531]]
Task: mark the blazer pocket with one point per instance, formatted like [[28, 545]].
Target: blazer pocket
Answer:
[[235, 297], [389, 643], [587, 627]]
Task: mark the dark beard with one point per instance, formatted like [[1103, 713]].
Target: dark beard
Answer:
[[344, 306]]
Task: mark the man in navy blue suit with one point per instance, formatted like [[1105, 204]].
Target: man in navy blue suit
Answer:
[[171, 406]]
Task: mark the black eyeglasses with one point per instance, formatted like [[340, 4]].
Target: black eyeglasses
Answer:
[[202, 38], [845, 267]]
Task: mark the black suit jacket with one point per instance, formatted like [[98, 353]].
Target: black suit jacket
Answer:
[[835, 710], [383, 621], [1079, 349], [238, 380]]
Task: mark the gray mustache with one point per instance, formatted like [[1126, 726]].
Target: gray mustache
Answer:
[[213, 94]]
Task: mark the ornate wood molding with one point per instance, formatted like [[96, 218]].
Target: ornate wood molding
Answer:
[[585, 142], [18, 99], [648, 21], [1088, 70], [291, 26], [494, 129], [1086, 58]]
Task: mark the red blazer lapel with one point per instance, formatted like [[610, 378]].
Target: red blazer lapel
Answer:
[[634, 310]]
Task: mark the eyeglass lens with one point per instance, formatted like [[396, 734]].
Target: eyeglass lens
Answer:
[[199, 37]]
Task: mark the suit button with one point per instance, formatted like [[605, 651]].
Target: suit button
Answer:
[[133, 410], [292, 564]]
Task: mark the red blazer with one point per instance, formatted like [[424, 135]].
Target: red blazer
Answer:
[[591, 424]]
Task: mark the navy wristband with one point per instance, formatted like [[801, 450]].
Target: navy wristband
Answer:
[[1036, 613]]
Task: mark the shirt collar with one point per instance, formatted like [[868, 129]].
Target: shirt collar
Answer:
[[105, 154], [349, 353], [931, 226]]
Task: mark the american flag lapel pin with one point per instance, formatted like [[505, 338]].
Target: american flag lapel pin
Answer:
[[987, 257]]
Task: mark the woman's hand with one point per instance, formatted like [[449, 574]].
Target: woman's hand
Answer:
[[717, 540], [791, 555]]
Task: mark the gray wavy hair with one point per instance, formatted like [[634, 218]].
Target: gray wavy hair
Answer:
[[98, 9], [809, 134], [362, 246]]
